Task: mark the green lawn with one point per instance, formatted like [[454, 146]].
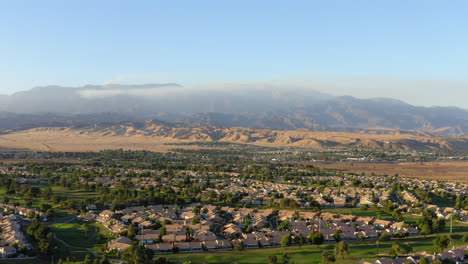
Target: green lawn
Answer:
[[74, 194], [76, 234], [304, 254], [60, 211]]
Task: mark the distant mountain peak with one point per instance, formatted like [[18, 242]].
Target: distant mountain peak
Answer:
[[259, 106]]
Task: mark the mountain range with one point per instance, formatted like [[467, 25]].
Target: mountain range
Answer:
[[258, 106]]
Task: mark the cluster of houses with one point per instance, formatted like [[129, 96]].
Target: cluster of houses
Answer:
[[444, 212], [448, 212], [12, 239], [17, 211], [167, 229], [454, 255], [256, 193]]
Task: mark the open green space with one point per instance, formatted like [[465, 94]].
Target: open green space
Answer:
[[74, 194], [307, 253], [60, 211], [76, 233]]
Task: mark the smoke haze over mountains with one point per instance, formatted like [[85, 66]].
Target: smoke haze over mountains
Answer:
[[246, 105]]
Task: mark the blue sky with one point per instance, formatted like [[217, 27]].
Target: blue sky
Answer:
[[340, 47]]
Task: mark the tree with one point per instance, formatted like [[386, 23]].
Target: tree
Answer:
[[272, 259], [396, 215], [47, 193], [465, 238], [283, 226], [458, 203], [132, 231], [341, 249], [336, 236], [442, 242], [195, 220], [50, 212], [285, 258], [163, 231], [138, 254], [395, 250], [385, 237], [44, 207], [425, 229], [423, 261], [104, 260], [41, 232], [316, 238], [239, 245], [364, 207], [327, 257], [437, 262], [439, 224], [31, 215], [47, 245], [406, 248], [300, 239], [426, 221], [88, 259], [286, 240]]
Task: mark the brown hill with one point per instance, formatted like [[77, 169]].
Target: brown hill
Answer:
[[153, 136]]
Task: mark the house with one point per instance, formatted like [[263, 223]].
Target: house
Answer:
[[231, 230], [106, 214], [188, 215], [189, 246], [161, 248], [391, 261], [120, 244], [382, 223], [173, 238], [219, 244], [457, 254], [250, 242], [7, 252], [205, 236], [147, 238]]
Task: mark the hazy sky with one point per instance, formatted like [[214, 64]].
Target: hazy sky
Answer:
[[412, 50]]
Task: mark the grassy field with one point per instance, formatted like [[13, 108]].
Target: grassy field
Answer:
[[76, 233], [304, 254], [312, 253], [74, 194], [60, 211]]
